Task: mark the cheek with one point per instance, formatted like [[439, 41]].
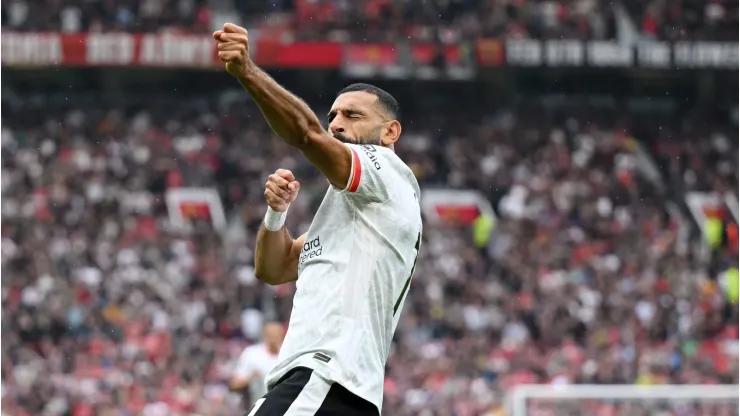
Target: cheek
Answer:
[[362, 128]]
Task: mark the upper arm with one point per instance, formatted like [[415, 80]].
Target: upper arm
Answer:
[[359, 170], [330, 156], [291, 269], [374, 173]]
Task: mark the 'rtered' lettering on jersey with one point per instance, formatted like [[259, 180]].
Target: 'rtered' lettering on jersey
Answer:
[[311, 249]]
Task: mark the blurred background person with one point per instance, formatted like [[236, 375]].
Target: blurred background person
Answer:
[[255, 362]]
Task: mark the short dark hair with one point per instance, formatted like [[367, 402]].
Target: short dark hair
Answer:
[[387, 101]]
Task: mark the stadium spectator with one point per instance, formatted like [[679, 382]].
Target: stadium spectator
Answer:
[[685, 20]]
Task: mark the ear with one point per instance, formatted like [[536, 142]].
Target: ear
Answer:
[[391, 133]]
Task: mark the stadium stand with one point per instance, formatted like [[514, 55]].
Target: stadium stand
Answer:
[[448, 21], [382, 20], [592, 237], [104, 308]]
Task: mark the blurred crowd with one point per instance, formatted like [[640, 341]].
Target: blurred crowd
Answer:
[[453, 21], [447, 21], [685, 20], [108, 310], [69, 16]]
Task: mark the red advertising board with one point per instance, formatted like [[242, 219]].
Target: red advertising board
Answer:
[[298, 54], [387, 53], [153, 50], [371, 54], [403, 61], [198, 51], [425, 53]]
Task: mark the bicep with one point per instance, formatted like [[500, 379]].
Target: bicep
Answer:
[[330, 156]]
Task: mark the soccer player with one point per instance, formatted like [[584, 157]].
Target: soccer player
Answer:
[[354, 266], [255, 362]]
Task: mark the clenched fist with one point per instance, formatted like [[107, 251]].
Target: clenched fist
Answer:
[[233, 48], [281, 189]]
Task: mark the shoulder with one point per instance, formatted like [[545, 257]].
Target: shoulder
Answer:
[[377, 158], [251, 350], [378, 174]]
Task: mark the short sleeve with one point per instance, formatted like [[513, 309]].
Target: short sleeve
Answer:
[[245, 365], [370, 175]]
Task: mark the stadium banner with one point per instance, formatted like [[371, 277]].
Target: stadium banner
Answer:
[[423, 61], [607, 54], [490, 52], [716, 215], [400, 61], [185, 205], [371, 59], [404, 60], [461, 207], [107, 49]]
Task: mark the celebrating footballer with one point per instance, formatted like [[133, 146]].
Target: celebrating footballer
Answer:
[[354, 265]]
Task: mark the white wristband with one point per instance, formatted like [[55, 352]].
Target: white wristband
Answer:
[[275, 220]]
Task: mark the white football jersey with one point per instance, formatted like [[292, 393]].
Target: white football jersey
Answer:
[[353, 275], [255, 359]]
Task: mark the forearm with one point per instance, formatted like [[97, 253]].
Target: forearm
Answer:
[[287, 114], [272, 259], [237, 385]]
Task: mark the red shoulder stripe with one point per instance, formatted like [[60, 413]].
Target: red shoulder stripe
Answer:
[[356, 172]]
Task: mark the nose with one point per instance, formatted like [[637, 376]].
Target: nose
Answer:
[[336, 128], [336, 125]]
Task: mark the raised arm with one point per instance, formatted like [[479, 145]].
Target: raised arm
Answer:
[[287, 114]]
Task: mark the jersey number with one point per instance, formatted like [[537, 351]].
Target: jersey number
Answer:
[[408, 281]]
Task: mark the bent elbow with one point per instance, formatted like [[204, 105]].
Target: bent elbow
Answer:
[[263, 276], [273, 278], [268, 281]]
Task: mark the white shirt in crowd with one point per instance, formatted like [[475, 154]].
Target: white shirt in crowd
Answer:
[[255, 362]]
